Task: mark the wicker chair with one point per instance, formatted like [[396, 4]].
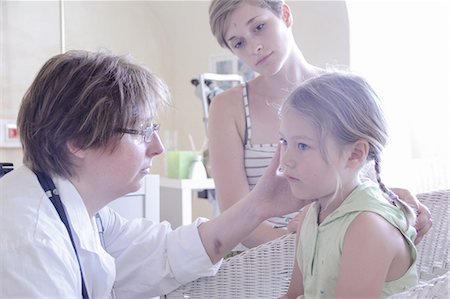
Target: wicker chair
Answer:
[[436, 288], [265, 271], [433, 251], [433, 260]]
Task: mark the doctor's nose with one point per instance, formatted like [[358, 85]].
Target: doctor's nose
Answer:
[[155, 146]]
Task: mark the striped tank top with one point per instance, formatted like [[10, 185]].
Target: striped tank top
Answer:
[[257, 156], [256, 159]]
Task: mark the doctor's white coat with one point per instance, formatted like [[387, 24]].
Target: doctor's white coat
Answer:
[[141, 259]]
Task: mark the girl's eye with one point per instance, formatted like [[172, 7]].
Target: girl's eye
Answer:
[[283, 141], [260, 27], [302, 146]]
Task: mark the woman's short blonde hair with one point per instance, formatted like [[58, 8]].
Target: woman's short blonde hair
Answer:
[[84, 98], [220, 10]]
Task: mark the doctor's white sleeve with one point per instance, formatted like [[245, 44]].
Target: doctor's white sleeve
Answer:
[[151, 258]]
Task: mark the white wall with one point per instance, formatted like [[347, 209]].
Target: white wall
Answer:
[[22, 52], [171, 37], [320, 27], [30, 34]]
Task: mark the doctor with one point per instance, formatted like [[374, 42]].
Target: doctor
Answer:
[[88, 134]]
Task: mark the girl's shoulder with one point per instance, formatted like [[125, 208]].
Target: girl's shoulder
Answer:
[[376, 229]]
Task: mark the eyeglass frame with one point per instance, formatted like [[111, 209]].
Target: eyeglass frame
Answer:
[[147, 133]]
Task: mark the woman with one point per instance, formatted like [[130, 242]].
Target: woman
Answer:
[[243, 121]]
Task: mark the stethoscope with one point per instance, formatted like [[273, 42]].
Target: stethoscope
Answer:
[[52, 193]]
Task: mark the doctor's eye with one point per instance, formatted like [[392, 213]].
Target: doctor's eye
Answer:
[[146, 133]]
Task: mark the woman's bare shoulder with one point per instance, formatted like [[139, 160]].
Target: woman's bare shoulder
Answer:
[[227, 105], [229, 97]]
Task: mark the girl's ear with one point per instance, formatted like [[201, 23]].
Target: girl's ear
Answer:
[[286, 15], [358, 154], [75, 150]]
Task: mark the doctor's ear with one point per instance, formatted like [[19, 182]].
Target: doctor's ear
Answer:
[[75, 150], [286, 15]]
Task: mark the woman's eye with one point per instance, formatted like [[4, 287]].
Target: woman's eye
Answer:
[[237, 45], [302, 146], [283, 141], [260, 27]]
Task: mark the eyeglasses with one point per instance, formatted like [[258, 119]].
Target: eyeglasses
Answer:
[[146, 133]]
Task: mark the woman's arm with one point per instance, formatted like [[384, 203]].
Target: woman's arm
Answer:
[[226, 153], [423, 222], [226, 129]]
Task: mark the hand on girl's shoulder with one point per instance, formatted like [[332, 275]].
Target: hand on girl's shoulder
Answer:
[[295, 223]]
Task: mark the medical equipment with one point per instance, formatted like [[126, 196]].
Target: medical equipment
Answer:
[[208, 85]]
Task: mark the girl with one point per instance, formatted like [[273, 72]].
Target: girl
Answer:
[[243, 123], [355, 239]]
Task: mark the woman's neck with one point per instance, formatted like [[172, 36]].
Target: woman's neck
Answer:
[[295, 71]]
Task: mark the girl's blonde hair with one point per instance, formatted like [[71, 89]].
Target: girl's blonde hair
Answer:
[[220, 11], [345, 106]]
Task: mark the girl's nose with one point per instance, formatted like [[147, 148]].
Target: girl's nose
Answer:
[[155, 146], [285, 161]]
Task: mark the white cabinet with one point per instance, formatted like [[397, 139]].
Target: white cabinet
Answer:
[[176, 194], [142, 203]]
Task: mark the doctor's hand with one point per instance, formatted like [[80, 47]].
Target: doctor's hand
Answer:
[[274, 193]]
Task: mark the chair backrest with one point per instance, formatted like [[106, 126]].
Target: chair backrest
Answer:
[[433, 251], [436, 288], [259, 272], [265, 271], [433, 262]]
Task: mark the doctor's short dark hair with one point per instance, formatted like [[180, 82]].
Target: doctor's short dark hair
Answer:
[[83, 97]]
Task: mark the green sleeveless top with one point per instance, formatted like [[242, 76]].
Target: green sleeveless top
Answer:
[[320, 246]]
